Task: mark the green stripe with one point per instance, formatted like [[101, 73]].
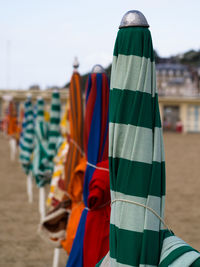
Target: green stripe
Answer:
[[133, 73], [29, 131], [28, 140], [54, 134], [55, 107], [55, 120], [127, 246], [55, 95], [29, 113], [25, 148], [139, 179], [175, 254], [52, 146], [134, 41], [40, 113], [196, 263], [139, 109], [24, 158]]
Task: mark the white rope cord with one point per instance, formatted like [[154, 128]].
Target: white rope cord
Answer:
[[144, 206], [96, 167], [77, 146]]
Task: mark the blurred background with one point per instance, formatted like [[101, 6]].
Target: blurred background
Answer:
[[38, 43]]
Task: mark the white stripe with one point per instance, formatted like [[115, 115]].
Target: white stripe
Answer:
[[54, 114], [133, 73], [135, 143], [131, 217], [29, 118], [170, 244], [114, 263], [186, 259], [53, 139]]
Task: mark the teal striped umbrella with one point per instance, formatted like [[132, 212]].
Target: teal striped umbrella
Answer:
[[27, 138], [54, 134], [138, 234], [40, 156]]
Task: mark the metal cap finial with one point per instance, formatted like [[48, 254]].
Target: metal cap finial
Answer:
[[75, 63], [98, 69], [133, 18]]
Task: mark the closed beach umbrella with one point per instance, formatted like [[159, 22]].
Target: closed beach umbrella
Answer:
[[96, 237], [40, 156], [67, 181], [12, 129], [27, 138], [75, 162], [12, 120], [96, 147], [20, 123], [54, 128], [76, 126], [56, 194], [27, 145], [136, 156]]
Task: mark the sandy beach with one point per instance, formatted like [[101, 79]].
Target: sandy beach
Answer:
[[21, 246]]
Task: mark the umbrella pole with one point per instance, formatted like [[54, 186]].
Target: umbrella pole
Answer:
[[56, 257], [42, 202], [30, 188], [12, 149]]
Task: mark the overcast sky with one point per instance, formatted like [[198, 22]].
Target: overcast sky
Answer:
[[39, 38]]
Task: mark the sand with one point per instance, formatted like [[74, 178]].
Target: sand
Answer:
[[183, 184], [21, 246]]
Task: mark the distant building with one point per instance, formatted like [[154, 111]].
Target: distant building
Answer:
[[175, 80], [179, 98]]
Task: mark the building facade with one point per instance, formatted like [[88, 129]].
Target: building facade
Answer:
[[179, 98]]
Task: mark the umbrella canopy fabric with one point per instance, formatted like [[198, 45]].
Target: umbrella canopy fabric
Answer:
[[177, 253], [96, 149], [27, 138], [72, 185], [40, 155], [136, 153], [138, 234], [56, 194], [75, 189], [96, 238], [76, 129], [54, 128], [20, 123], [12, 120], [67, 181]]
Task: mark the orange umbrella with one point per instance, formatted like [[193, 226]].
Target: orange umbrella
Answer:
[[12, 120], [75, 163]]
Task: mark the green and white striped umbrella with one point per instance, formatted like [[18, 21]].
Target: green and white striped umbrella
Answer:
[[54, 134], [40, 156], [27, 138], [137, 161]]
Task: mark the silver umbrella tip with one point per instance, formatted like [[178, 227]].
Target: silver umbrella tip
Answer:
[[133, 18], [75, 63], [98, 69]]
